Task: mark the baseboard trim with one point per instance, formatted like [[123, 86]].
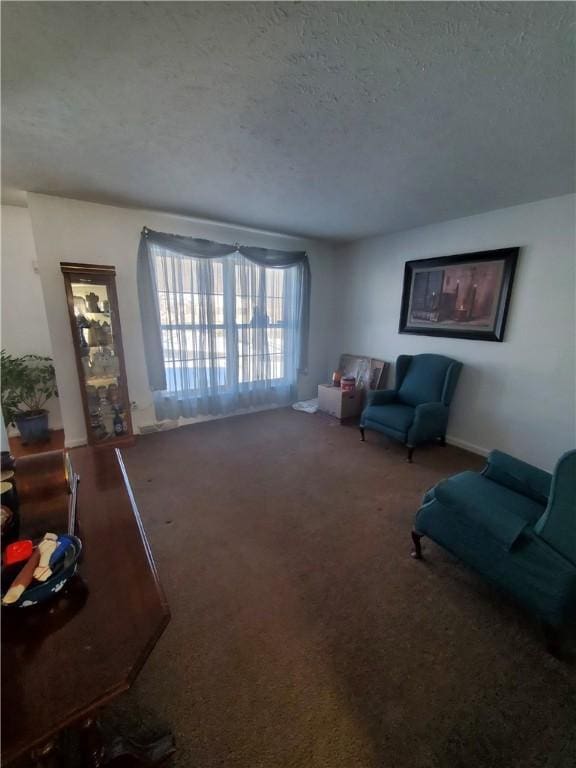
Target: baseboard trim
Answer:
[[467, 446], [157, 427], [169, 424]]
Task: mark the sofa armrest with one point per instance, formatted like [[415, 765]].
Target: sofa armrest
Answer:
[[518, 476], [381, 396]]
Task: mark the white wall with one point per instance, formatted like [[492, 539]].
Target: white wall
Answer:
[[70, 230], [519, 395], [24, 327]]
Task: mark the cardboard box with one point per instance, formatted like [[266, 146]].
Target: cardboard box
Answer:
[[343, 405]]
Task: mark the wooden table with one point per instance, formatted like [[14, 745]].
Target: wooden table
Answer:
[[63, 660], [54, 443]]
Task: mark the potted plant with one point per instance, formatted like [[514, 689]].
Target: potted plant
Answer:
[[28, 382]]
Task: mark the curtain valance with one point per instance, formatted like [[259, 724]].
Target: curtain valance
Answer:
[[207, 249]]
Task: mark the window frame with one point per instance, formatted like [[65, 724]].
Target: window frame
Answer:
[[232, 335]]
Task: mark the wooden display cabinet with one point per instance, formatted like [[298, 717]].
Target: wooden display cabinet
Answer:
[[97, 335]]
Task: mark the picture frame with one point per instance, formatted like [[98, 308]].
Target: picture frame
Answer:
[[355, 365], [378, 374], [464, 296]]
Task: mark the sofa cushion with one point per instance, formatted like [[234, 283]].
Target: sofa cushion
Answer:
[[502, 513], [395, 416], [424, 380]]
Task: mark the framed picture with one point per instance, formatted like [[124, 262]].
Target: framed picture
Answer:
[[378, 374], [357, 366], [464, 296]]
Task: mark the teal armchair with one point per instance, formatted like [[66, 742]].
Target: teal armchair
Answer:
[[516, 526], [416, 410]]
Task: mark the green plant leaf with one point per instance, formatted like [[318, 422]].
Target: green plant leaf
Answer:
[[27, 383]]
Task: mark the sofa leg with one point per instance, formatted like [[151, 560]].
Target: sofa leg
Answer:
[[417, 551], [553, 640], [410, 452], [362, 436], [442, 441]]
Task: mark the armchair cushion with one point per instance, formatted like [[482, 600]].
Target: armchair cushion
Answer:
[[518, 476], [424, 379], [489, 506], [394, 416]]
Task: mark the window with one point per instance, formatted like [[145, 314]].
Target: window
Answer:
[[227, 324], [261, 326]]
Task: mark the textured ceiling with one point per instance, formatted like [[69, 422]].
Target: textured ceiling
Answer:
[[334, 120]]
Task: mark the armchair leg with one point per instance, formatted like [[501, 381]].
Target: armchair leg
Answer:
[[410, 452], [442, 441], [417, 551], [362, 436]]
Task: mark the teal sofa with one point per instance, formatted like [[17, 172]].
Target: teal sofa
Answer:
[[516, 526], [416, 410]]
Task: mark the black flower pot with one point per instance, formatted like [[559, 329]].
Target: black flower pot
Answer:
[[33, 427]]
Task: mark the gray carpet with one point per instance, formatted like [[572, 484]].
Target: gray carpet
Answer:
[[302, 632]]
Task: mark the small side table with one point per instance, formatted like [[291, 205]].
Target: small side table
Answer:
[[342, 405]]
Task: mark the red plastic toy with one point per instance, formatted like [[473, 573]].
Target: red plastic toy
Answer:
[[17, 551]]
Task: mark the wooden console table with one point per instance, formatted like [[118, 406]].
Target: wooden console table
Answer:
[[63, 660]]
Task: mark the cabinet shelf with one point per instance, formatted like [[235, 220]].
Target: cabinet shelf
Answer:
[[102, 381]]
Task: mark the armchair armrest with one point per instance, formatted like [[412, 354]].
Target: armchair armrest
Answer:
[[381, 396], [430, 420], [502, 524], [518, 476]]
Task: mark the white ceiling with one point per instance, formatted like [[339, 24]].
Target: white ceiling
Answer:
[[334, 120]]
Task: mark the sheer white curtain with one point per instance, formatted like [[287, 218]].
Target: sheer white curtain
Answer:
[[230, 332]]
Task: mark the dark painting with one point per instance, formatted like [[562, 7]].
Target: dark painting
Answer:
[[463, 296]]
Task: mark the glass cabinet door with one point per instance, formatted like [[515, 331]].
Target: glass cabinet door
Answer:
[[95, 320]]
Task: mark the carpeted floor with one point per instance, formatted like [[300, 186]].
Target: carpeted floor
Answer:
[[302, 632]]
